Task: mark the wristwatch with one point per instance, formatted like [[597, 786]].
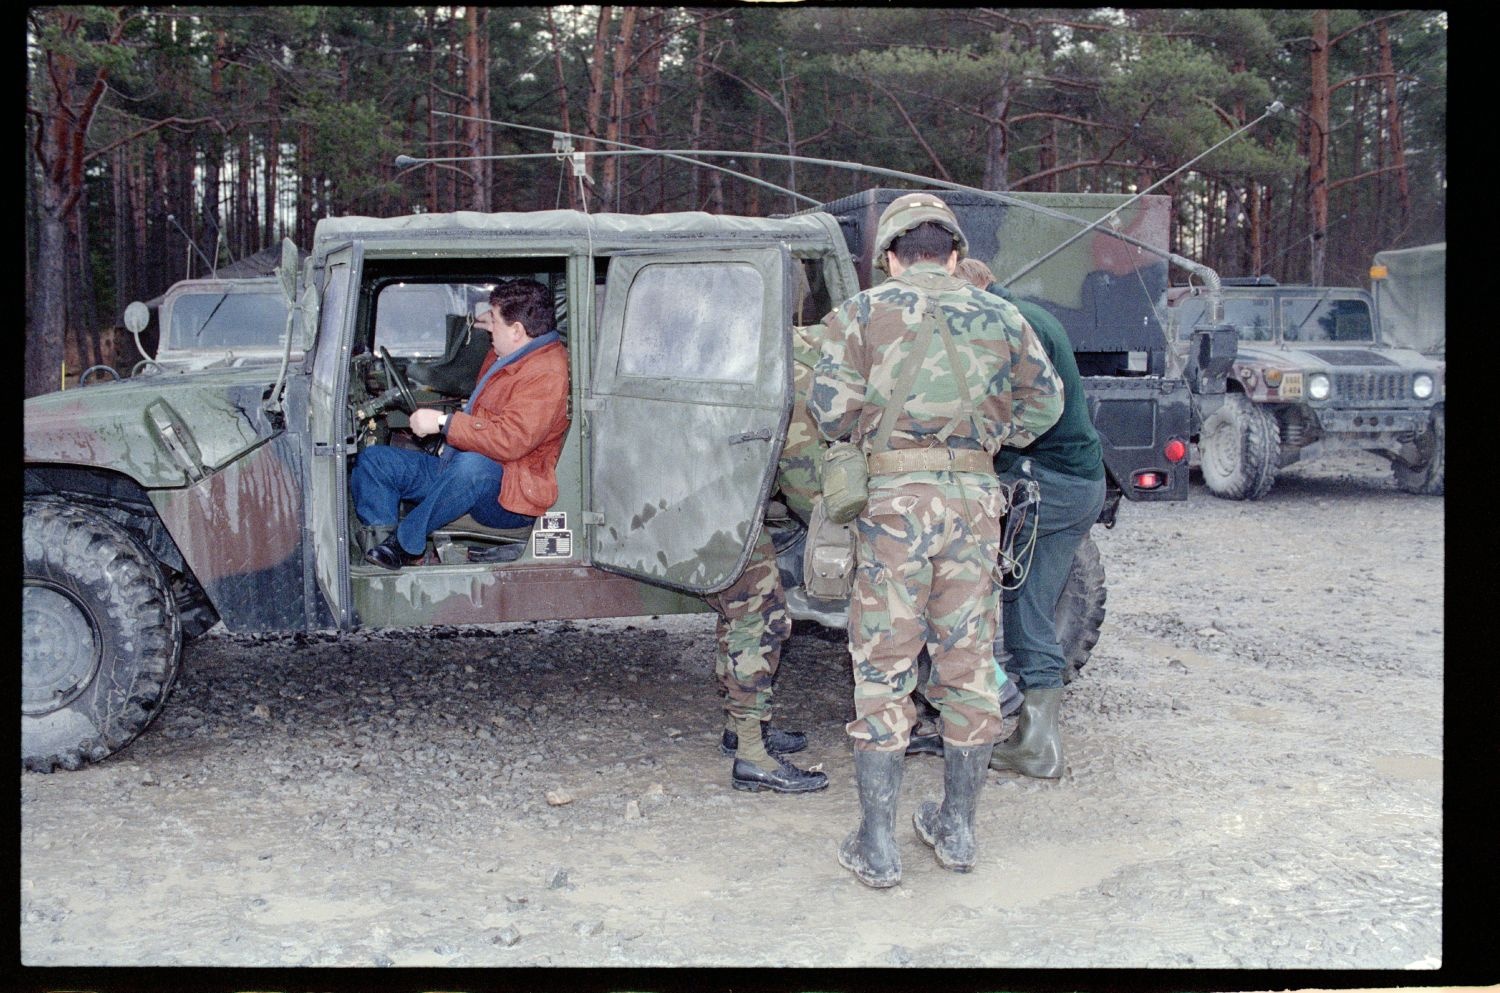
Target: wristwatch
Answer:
[[443, 425]]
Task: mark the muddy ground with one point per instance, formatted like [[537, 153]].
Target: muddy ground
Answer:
[[1256, 782]]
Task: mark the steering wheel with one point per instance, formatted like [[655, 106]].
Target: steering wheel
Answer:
[[406, 402]]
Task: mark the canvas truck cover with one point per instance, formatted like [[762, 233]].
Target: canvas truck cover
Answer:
[[1108, 294], [1410, 299], [546, 228]]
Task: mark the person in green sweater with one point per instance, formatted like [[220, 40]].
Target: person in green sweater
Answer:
[[1067, 463]]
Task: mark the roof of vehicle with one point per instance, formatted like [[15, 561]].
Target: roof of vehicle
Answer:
[[602, 231]]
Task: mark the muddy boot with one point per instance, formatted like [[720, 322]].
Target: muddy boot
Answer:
[[1036, 748], [949, 830], [870, 851]]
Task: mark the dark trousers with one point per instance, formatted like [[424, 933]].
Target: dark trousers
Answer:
[[1069, 507], [444, 489]]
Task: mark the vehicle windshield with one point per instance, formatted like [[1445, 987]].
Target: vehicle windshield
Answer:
[[1252, 317], [1322, 319], [413, 320], [218, 319]]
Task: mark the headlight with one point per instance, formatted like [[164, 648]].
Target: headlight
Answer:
[[1421, 386], [1319, 386]]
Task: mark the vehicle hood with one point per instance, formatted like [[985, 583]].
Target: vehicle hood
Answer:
[[164, 430], [1333, 357]]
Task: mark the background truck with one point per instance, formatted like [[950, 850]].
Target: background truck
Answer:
[[1313, 374]]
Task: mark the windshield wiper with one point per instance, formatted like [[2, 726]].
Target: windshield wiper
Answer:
[[209, 319]]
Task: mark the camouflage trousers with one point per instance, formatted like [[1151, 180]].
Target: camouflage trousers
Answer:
[[753, 623], [926, 554]]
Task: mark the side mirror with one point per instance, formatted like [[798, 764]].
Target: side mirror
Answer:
[[137, 316], [287, 270]]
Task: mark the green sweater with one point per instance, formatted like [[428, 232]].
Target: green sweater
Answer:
[[1071, 446]]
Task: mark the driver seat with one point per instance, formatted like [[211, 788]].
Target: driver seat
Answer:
[[455, 371], [466, 540]]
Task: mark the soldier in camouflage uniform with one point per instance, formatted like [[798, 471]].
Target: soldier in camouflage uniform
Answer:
[[929, 537], [753, 622]]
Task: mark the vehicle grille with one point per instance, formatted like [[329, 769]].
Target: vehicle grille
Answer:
[[1349, 356], [1373, 386]]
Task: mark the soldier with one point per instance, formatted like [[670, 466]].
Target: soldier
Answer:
[[1068, 464], [753, 622], [929, 536]]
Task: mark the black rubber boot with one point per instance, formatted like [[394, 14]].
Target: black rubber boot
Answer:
[[870, 851], [949, 829], [1035, 749]]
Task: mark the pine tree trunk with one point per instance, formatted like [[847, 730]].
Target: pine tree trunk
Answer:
[[1393, 126], [613, 168], [1317, 170]]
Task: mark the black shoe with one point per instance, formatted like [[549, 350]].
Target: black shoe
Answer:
[[925, 744], [389, 555], [787, 778], [777, 741]]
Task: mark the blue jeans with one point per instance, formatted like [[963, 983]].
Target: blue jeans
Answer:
[[443, 489], [1070, 505]]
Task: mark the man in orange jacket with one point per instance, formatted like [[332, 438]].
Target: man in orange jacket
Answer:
[[500, 463]]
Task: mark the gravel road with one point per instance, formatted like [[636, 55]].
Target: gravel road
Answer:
[[1255, 782]]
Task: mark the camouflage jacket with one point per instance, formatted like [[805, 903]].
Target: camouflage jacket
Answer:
[[1016, 392], [799, 473]]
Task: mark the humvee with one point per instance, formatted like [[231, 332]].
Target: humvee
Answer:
[[158, 507], [1312, 376]]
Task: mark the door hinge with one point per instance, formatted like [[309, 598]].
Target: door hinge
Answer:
[[592, 517]]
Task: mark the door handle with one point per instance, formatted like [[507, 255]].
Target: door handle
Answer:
[[764, 434]]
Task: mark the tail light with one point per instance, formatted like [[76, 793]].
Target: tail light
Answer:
[[1175, 450]]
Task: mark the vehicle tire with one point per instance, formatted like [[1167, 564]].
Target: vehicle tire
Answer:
[[101, 642], [1427, 478], [1239, 448], [1080, 609]]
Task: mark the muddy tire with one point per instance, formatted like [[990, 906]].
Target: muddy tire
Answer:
[[1427, 478], [1080, 609], [100, 638], [1239, 449]]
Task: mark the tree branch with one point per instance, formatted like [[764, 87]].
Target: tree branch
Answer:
[[911, 125]]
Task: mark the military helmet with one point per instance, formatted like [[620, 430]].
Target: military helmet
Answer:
[[906, 212]]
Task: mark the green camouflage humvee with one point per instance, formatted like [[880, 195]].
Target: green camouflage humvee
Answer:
[[1312, 376], [156, 506]]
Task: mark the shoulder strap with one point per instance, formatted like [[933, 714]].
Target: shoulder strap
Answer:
[[914, 361], [967, 408]]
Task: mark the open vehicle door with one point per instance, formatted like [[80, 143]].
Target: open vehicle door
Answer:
[[688, 410], [328, 506]]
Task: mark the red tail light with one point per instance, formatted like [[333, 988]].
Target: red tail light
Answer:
[[1175, 450], [1149, 480]]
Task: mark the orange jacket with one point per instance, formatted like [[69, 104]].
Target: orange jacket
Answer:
[[519, 421]]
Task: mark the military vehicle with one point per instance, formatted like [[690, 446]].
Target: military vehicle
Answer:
[[1313, 376], [159, 506]]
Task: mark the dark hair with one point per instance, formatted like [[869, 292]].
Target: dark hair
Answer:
[[927, 242], [525, 301]]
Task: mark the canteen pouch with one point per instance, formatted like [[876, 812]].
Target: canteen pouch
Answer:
[[827, 557], [846, 482]]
